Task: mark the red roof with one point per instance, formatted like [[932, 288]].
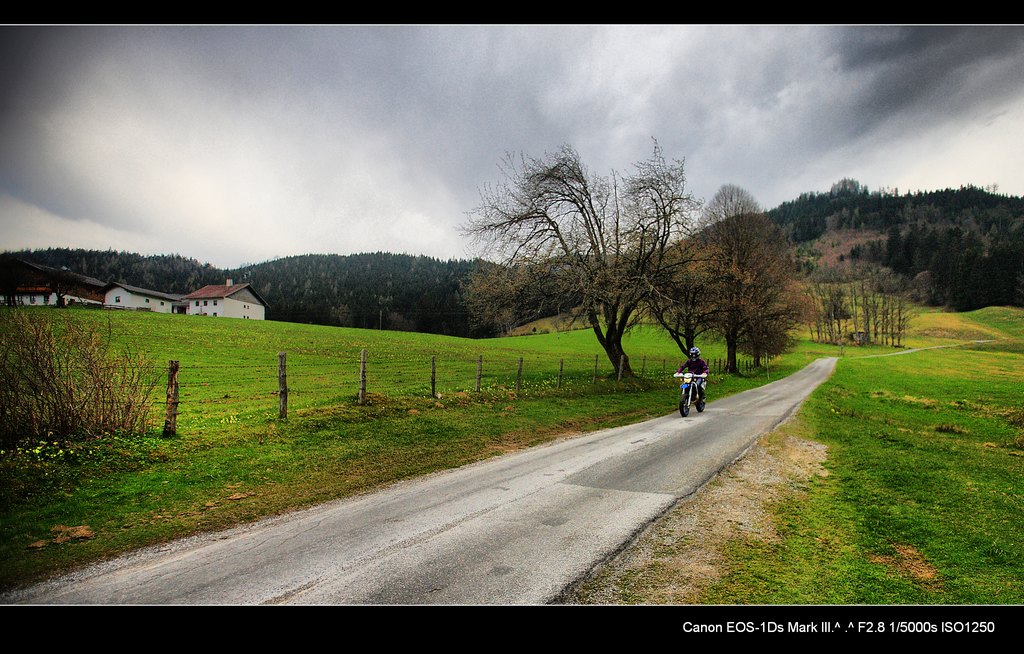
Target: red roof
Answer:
[[219, 291]]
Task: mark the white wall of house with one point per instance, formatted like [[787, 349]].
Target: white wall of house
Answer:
[[243, 309], [210, 307], [227, 308], [49, 299], [37, 299], [121, 298]]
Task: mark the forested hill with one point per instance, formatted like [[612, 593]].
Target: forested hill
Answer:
[[962, 248], [849, 205], [380, 290]]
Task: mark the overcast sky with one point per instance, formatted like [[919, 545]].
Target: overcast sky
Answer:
[[237, 145]]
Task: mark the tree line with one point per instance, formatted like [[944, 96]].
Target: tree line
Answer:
[[850, 205], [862, 305], [952, 266]]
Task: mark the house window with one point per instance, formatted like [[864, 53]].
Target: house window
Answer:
[[117, 299], [206, 303], [214, 314], [147, 300], [215, 303], [161, 304], [197, 303]]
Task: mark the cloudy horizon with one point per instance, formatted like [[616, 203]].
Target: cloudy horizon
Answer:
[[236, 145]]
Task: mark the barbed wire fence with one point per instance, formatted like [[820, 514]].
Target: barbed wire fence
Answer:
[[307, 382]]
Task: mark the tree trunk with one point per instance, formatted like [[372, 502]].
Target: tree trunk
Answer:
[[731, 342], [611, 340]]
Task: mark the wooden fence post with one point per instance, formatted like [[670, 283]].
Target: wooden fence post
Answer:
[[595, 368], [643, 366], [282, 385], [171, 419], [519, 375], [362, 377], [433, 376], [561, 366], [479, 371]]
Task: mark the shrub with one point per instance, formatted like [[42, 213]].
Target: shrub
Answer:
[[60, 378]]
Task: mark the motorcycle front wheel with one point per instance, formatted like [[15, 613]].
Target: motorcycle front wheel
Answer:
[[684, 408]]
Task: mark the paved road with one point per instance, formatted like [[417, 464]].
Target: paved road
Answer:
[[514, 530]]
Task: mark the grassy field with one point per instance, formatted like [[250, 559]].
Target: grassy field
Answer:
[[234, 460]]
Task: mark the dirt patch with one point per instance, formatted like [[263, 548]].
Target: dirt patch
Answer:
[[908, 562], [63, 534], [679, 556]]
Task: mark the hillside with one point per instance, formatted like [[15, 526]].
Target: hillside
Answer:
[[960, 248]]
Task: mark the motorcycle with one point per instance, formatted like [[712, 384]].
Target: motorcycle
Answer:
[[690, 393]]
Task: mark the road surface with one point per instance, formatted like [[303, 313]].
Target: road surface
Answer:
[[518, 529]]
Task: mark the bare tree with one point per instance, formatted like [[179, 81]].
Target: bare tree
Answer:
[[604, 240], [751, 265], [501, 298], [730, 200], [683, 304], [871, 301]]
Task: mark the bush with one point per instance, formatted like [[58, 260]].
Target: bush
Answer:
[[61, 379]]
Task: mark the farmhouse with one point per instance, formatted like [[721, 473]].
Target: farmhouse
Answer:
[[26, 283], [229, 300], [124, 296]]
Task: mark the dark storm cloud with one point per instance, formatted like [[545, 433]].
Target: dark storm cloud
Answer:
[[36, 65], [242, 143], [933, 73]]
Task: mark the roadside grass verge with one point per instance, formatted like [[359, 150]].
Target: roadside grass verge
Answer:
[[925, 489]]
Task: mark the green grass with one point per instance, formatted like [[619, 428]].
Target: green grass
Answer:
[[925, 490]]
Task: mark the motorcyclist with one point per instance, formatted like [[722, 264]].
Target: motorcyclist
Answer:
[[697, 366]]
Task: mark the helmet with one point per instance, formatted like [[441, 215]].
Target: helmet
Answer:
[[694, 352]]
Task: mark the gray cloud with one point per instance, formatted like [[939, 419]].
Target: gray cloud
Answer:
[[237, 144], [936, 74]]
